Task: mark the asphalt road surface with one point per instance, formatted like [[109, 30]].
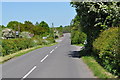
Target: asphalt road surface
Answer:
[[58, 61]]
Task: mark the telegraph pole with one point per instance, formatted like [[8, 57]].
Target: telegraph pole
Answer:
[[18, 29], [53, 30]]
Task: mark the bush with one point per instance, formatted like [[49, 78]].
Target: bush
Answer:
[[106, 46], [77, 37], [37, 40], [48, 40], [10, 46], [25, 34]]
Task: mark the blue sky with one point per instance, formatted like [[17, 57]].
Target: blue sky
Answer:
[[60, 13]]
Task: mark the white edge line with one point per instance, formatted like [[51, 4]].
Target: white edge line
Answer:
[[29, 72], [44, 58], [51, 51], [56, 47]]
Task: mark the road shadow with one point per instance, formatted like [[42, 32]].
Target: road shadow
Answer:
[[77, 54], [74, 54]]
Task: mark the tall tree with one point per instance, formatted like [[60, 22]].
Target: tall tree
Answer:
[[45, 27], [96, 16], [13, 25], [43, 24], [28, 26]]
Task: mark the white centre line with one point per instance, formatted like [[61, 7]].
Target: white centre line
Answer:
[[51, 51], [44, 58], [29, 72]]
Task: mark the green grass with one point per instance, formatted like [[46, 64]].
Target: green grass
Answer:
[[97, 69], [22, 52], [79, 44]]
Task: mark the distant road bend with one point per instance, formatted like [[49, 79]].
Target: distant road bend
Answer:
[[48, 62]]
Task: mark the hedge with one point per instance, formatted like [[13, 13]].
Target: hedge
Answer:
[[106, 46], [78, 37], [10, 46]]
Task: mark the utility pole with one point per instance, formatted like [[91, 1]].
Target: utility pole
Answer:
[[15, 29], [18, 29], [53, 30]]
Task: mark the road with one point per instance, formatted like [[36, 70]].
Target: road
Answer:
[[57, 61]]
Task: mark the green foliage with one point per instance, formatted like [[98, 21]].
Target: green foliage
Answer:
[[48, 40], [96, 16], [98, 13], [37, 29], [25, 34], [2, 27], [66, 29], [43, 24], [97, 69], [10, 46], [107, 48], [28, 26], [75, 23], [45, 27], [37, 40], [93, 18], [78, 37], [13, 25]]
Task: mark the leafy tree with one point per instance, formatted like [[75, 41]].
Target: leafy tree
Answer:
[[95, 17], [45, 27], [28, 26], [37, 29], [13, 25], [43, 24], [77, 35]]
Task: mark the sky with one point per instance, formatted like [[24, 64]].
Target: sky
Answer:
[[59, 13], [35, 0]]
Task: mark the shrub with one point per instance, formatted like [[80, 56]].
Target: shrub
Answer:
[[25, 34], [106, 46], [78, 37], [10, 46], [37, 40], [49, 40]]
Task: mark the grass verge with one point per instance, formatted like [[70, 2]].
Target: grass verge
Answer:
[[97, 69], [79, 45], [22, 52]]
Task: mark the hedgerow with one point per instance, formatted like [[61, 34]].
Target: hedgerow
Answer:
[[10, 46], [106, 46]]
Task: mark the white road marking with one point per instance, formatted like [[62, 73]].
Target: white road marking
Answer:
[[51, 51], [44, 58], [56, 47], [29, 72]]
